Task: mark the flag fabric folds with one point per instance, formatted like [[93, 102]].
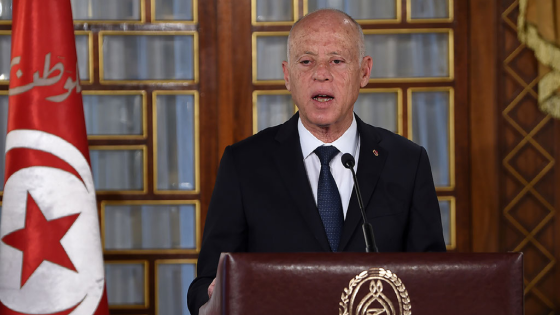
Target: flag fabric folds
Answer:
[[51, 258], [538, 27]]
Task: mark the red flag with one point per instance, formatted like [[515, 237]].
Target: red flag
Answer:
[[50, 250]]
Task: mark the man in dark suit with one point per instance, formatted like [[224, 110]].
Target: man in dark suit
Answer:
[[285, 189]]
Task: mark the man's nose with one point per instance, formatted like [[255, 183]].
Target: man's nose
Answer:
[[322, 72]]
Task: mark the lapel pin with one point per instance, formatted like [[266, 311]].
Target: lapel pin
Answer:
[[375, 152]]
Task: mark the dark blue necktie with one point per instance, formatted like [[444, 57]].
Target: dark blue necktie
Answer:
[[328, 197]]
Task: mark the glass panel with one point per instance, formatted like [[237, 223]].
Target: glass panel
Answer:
[[273, 110], [173, 284], [445, 209], [6, 9], [359, 9], [113, 114], [3, 133], [271, 51], [429, 9], [82, 49], [410, 55], [275, 10], [430, 129], [150, 227], [91, 9], [176, 142], [378, 109], [174, 10], [117, 169], [5, 53], [148, 57], [106, 10], [125, 283]]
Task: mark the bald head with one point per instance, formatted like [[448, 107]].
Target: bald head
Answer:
[[329, 16]]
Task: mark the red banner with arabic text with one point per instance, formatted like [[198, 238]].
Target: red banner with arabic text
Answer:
[[50, 247]]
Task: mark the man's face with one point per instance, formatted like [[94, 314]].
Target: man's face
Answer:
[[325, 74]]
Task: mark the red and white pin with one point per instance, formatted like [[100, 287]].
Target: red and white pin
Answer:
[[375, 152]]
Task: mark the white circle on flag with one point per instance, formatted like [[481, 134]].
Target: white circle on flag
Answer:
[[52, 288]]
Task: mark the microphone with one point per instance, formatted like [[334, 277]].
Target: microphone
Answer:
[[349, 162]]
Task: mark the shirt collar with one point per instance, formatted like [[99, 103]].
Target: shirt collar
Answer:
[[347, 143]]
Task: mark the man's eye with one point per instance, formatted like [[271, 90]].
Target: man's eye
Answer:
[[305, 62], [336, 61]]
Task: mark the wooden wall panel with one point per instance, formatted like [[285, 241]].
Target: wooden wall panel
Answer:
[[209, 100], [514, 148], [463, 218], [484, 156], [528, 150]]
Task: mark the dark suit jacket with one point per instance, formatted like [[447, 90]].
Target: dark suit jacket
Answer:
[[262, 201]]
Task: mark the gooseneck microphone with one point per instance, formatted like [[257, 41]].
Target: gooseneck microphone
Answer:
[[349, 162]]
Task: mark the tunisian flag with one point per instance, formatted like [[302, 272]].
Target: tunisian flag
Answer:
[[50, 248]]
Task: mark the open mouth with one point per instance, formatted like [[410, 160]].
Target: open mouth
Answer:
[[323, 98]]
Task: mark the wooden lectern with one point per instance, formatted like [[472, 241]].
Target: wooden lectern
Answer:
[[368, 284]]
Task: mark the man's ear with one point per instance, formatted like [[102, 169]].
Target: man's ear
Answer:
[[286, 71], [365, 71]]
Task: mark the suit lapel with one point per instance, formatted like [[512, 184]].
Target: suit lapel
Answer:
[[369, 169], [289, 161]]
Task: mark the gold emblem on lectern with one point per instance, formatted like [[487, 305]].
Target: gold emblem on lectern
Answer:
[[373, 292]]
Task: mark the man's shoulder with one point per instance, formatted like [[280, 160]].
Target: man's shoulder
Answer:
[[260, 140], [389, 139], [255, 148], [403, 154]]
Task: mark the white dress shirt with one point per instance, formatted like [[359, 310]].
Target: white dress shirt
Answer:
[[349, 142]]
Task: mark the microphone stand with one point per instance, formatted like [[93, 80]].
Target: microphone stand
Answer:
[[349, 162]]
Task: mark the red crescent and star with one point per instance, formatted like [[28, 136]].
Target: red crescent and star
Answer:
[[39, 239]]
